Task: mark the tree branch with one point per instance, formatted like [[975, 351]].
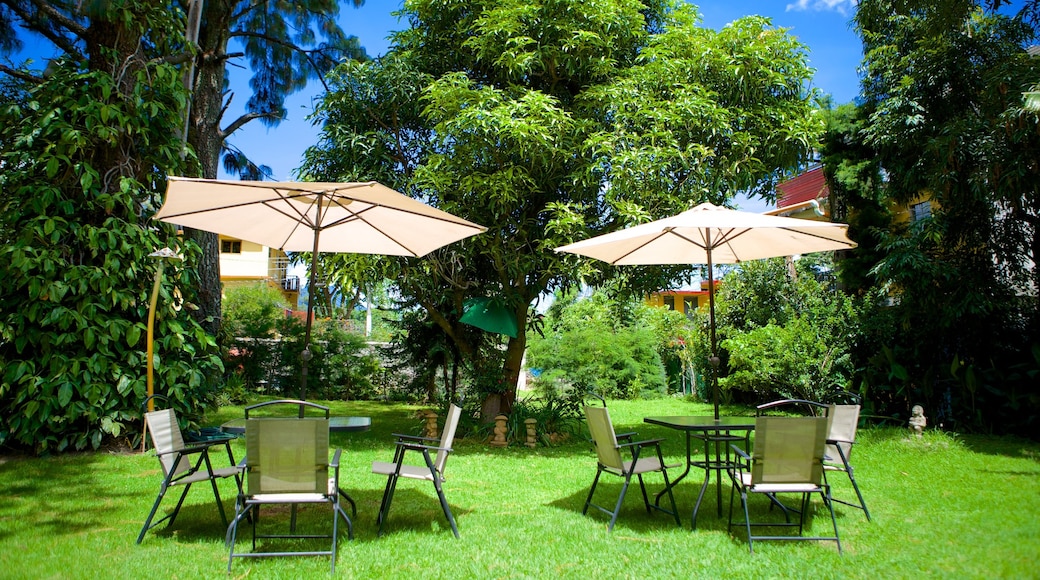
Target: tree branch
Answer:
[[35, 24], [19, 74], [241, 121]]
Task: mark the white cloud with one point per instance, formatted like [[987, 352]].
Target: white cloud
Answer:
[[843, 7]]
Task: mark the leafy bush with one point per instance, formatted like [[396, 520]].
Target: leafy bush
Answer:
[[783, 337], [253, 310], [82, 162], [600, 345], [343, 366]]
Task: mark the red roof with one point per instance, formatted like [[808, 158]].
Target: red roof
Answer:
[[810, 185]]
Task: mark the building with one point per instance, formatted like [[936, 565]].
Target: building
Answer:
[[243, 263], [686, 299]]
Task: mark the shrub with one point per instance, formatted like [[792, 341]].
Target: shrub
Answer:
[[600, 345]]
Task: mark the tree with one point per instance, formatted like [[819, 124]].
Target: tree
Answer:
[[786, 337], [942, 97], [86, 146], [554, 121], [285, 44]]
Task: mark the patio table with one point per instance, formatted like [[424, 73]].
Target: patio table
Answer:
[[336, 425], [716, 434]]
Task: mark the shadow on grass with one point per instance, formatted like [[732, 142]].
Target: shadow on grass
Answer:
[[37, 494]]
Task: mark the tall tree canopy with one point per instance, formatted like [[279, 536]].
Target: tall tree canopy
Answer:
[[555, 120], [87, 145], [942, 116]]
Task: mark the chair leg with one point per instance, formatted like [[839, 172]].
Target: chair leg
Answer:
[[620, 499], [220, 504], [588, 500], [151, 514], [747, 520], [834, 521], [177, 508], [671, 497], [350, 500], [388, 496], [444, 505], [855, 486], [232, 533], [642, 488]]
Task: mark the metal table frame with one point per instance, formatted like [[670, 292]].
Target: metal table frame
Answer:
[[717, 434]]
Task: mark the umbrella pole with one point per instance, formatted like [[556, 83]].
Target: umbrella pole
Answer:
[[714, 360], [306, 355]]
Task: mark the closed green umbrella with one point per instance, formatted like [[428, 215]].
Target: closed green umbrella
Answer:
[[490, 314]]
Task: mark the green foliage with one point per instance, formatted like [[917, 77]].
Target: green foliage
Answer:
[[942, 117], [602, 346], [81, 172], [784, 337], [551, 122], [253, 310], [343, 367]]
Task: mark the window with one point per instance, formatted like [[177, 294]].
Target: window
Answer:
[[689, 306], [919, 211], [230, 247], [669, 302]]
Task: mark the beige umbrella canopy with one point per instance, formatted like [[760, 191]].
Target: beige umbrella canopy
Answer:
[[709, 234], [362, 218]]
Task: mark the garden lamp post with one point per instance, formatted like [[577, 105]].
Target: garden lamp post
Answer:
[[161, 255]]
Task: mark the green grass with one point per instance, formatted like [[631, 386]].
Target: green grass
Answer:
[[945, 506]]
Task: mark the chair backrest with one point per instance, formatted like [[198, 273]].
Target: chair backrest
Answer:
[[843, 422], [447, 437], [166, 438], [788, 450], [603, 437], [287, 455]]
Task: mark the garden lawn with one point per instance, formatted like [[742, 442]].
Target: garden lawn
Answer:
[[944, 505]]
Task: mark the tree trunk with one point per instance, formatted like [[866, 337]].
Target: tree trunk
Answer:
[[502, 403], [206, 138]]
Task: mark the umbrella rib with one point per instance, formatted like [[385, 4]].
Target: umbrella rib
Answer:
[[819, 237], [641, 246]]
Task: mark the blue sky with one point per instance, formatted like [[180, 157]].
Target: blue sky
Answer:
[[823, 25]]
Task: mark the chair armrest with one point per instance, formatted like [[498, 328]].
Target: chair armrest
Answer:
[[628, 435], [420, 447], [743, 454], [402, 436], [186, 450], [640, 443], [836, 441]]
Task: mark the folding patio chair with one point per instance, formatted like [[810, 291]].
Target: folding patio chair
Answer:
[[843, 420], [841, 436], [182, 464], [787, 458], [432, 469], [610, 460], [287, 462]]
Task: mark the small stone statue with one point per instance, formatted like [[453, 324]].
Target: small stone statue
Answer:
[[530, 424], [500, 431], [917, 419], [430, 429]]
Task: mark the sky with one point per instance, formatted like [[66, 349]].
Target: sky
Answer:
[[834, 51]]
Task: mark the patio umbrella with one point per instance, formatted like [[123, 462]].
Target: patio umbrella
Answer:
[[491, 315], [362, 218], [709, 234]]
